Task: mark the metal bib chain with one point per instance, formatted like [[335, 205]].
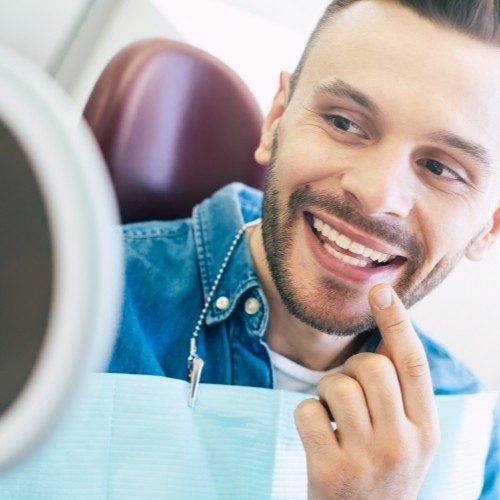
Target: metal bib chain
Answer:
[[195, 363]]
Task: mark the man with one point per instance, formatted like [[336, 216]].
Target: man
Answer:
[[384, 171]]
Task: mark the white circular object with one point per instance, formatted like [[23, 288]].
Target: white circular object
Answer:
[[85, 242], [252, 306], [222, 303]]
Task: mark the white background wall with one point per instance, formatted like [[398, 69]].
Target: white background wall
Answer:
[[39, 30], [258, 38]]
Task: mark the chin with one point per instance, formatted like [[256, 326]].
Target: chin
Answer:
[[328, 307]]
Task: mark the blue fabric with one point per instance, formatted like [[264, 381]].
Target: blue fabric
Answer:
[[170, 268]]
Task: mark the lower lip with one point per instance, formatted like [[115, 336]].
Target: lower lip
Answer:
[[335, 266]]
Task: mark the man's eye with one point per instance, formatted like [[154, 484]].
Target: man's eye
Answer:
[[440, 170], [344, 125]]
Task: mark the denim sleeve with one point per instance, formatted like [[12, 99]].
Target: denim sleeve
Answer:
[[491, 487]]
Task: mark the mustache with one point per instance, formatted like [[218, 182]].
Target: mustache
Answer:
[[393, 233]]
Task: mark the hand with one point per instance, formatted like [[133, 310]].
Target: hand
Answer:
[[384, 408]]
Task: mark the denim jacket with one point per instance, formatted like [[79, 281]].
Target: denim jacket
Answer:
[[170, 269]]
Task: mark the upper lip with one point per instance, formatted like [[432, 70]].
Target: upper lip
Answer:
[[359, 236]]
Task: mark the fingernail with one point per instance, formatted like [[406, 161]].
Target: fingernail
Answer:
[[383, 298]]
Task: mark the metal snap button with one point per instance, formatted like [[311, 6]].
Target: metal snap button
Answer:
[[222, 303], [252, 305]]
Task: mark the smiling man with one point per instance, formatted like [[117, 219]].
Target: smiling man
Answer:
[[384, 171]]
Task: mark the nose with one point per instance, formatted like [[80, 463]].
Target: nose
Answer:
[[381, 184]]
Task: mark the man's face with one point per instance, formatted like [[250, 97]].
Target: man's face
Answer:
[[378, 164]]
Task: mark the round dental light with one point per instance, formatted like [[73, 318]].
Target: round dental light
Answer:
[[60, 256]]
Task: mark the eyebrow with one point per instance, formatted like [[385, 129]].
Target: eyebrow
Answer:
[[339, 88], [471, 148]]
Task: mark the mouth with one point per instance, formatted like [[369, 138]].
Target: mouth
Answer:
[[344, 252]]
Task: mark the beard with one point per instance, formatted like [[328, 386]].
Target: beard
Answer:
[[330, 305]]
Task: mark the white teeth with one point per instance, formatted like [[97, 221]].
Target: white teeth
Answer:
[[356, 262], [383, 257], [343, 241], [327, 231], [347, 244], [332, 234], [367, 252], [356, 247], [345, 258], [318, 224]]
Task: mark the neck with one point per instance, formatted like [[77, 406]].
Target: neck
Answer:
[[286, 334]]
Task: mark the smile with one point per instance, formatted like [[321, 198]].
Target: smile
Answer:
[[349, 253], [335, 243]]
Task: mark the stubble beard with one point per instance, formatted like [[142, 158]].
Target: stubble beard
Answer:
[[325, 305]]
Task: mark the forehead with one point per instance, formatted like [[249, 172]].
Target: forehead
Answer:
[[415, 70], [383, 34]]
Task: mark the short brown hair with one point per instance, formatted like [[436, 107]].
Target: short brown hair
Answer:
[[479, 19]]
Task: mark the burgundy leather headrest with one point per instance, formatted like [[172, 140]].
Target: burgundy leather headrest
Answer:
[[174, 125]]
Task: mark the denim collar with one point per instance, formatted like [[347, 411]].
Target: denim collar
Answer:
[[216, 221]]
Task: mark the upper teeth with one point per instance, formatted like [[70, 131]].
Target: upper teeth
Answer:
[[343, 241]]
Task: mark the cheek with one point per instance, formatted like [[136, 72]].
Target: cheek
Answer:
[[309, 157], [446, 228]]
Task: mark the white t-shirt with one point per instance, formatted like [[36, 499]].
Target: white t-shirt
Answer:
[[291, 376]]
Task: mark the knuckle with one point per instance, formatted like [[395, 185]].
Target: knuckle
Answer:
[[416, 365], [312, 434], [307, 410], [395, 326], [353, 361], [396, 457], [378, 366], [357, 360], [329, 380], [344, 390]]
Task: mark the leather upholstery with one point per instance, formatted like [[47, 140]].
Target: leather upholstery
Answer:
[[174, 125]]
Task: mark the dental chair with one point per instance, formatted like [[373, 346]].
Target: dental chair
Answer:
[[174, 124]]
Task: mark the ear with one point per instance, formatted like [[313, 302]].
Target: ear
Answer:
[[478, 247], [264, 150]]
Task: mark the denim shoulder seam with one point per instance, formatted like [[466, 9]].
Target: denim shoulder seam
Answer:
[[164, 232]]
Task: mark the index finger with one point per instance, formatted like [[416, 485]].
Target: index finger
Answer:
[[406, 351]]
